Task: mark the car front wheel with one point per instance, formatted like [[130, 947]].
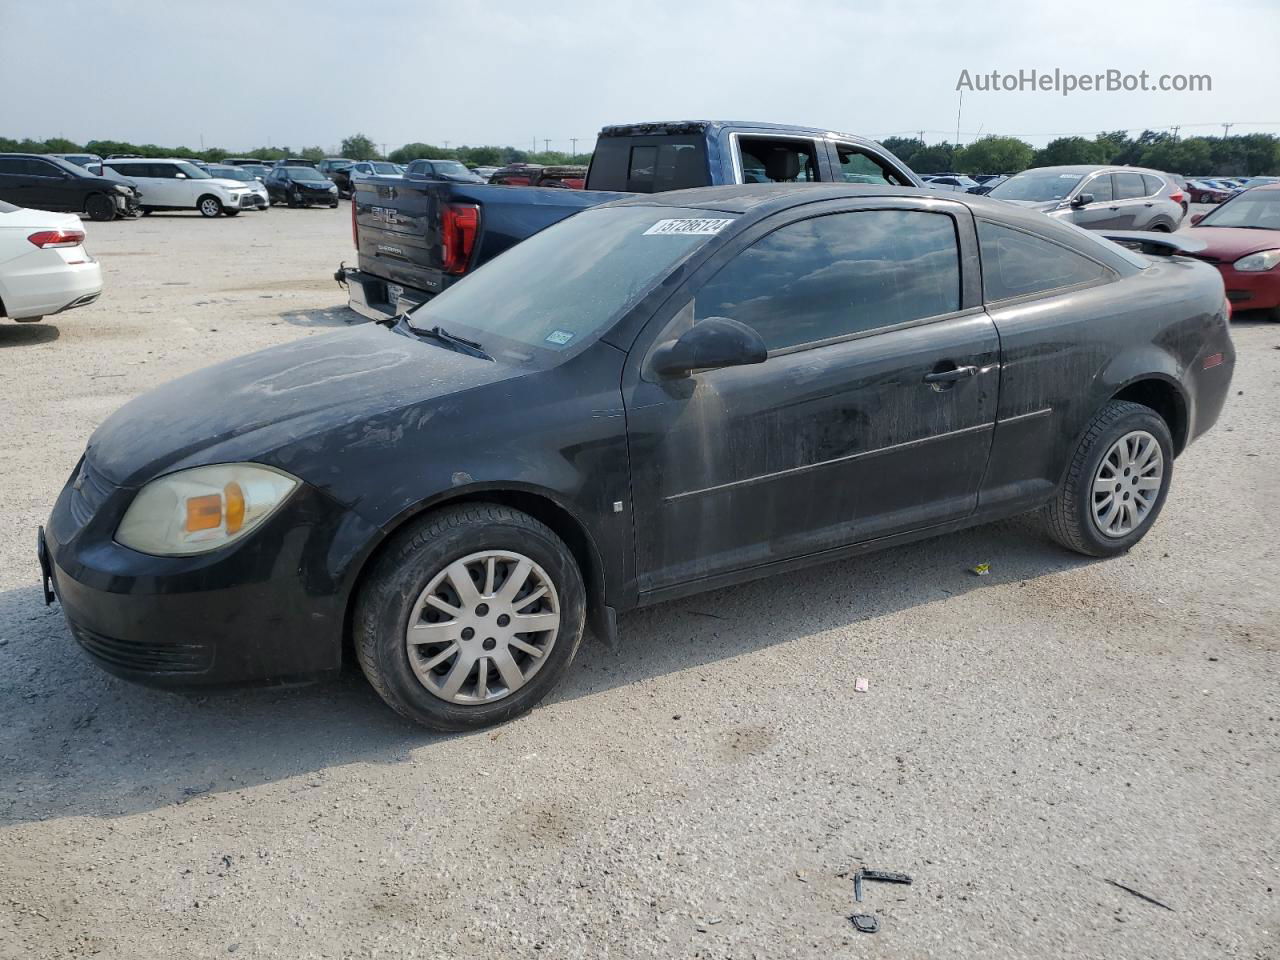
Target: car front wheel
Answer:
[[100, 208], [209, 206], [1116, 483], [469, 617]]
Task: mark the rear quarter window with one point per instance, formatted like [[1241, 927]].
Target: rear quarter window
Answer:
[[1017, 264]]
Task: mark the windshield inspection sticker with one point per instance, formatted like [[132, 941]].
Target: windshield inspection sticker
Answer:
[[559, 337], [689, 225]]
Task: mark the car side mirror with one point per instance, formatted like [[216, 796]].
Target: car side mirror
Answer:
[[1082, 199], [180, 175], [709, 345], [1196, 218]]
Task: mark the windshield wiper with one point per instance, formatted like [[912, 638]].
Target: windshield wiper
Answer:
[[461, 344]]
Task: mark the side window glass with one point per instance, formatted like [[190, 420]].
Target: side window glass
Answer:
[[1152, 184], [837, 275], [774, 160], [1129, 186], [1100, 187], [858, 166], [10, 166], [43, 168], [1015, 264]]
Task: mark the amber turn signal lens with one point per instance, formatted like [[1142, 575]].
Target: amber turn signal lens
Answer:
[[204, 513], [235, 506]]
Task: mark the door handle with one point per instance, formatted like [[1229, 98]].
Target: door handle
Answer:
[[950, 376]]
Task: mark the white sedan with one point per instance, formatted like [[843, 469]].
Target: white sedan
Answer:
[[44, 268]]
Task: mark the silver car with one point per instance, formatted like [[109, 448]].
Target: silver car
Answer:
[[1099, 197]]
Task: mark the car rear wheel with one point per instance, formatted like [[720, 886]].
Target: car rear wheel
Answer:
[[1116, 483], [100, 207], [231, 213], [469, 617], [209, 206]]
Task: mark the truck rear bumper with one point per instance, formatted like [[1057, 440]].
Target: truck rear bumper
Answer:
[[376, 298]]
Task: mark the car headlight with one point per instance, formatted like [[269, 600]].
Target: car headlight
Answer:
[[121, 188], [201, 509], [1262, 260]]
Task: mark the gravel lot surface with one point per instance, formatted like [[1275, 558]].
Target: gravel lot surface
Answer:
[[1029, 739]]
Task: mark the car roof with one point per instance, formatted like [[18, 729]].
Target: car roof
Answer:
[[659, 127], [1094, 168], [760, 200]]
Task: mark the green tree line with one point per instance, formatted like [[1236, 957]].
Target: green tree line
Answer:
[[1250, 154]]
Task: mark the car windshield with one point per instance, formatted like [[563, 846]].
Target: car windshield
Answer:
[[565, 285], [230, 173], [384, 168], [450, 168], [192, 171], [1259, 209], [1037, 185], [309, 174]]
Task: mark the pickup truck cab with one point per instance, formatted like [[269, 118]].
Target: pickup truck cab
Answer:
[[415, 237]]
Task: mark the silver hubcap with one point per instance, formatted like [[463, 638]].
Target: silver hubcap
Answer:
[[209, 208], [483, 627], [1127, 484]]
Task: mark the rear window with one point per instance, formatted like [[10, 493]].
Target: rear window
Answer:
[[648, 164], [7, 207]]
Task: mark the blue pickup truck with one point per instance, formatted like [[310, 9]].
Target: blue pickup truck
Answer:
[[415, 236]]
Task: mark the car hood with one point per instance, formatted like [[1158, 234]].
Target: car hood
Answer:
[[255, 406], [1232, 243], [1042, 205]]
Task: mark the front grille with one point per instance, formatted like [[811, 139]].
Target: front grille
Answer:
[[89, 491], [145, 657]]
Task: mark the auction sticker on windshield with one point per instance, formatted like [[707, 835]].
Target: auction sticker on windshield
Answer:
[[559, 337], [690, 225]]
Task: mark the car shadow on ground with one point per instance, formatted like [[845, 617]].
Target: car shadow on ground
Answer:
[[14, 334], [324, 317], [76, 741]]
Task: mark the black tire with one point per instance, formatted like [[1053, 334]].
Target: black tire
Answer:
[[333, 206], [100, 208], [209, 206], [1069, 515], [1274, 314], [147, 211], [227, 211], [405, 568], [1162, 227]]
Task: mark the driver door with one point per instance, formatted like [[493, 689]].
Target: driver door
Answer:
[[872, 415], [1104, 213]]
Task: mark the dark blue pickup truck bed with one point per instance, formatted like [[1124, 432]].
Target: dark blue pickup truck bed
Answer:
[[398, 233]]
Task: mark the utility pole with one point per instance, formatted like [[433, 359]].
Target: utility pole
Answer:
[[546, 145], [1226, 128], [446, 144], [573, 141], [958, 109], [921, 137]]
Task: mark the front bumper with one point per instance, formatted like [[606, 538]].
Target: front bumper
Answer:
[[267, 609], [1251, 290], [376, 298]]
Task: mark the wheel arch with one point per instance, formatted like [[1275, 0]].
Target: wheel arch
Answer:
[[537, 502], [1163, 395]]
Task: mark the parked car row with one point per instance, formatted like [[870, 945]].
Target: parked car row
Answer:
[[1242, 240]]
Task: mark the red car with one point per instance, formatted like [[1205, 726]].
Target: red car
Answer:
[[1202, 192], [1243, 242]]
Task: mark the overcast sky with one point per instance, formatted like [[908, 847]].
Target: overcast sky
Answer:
[[244, 74]]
